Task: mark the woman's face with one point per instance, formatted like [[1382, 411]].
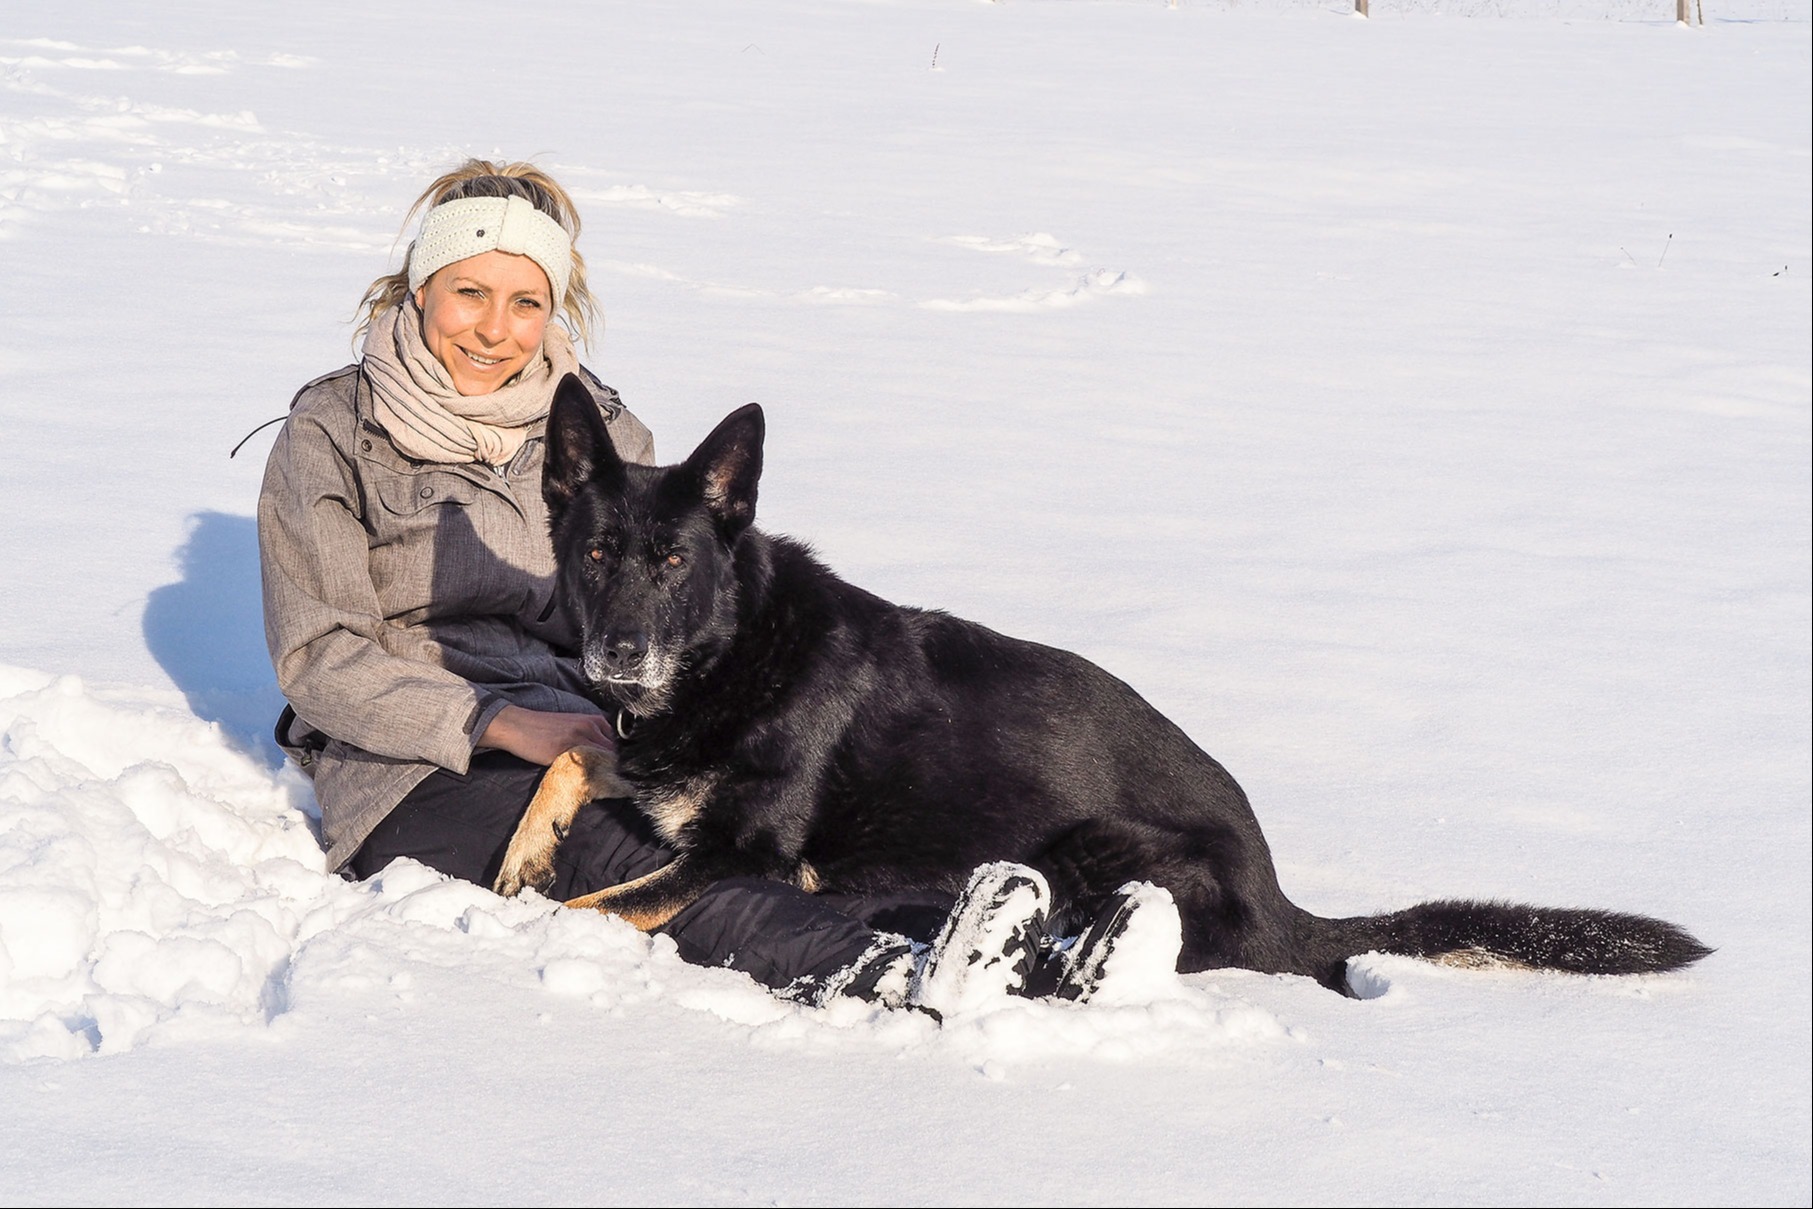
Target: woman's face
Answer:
[[483, 318]]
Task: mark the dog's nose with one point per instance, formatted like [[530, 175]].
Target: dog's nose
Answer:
[[625, 649]]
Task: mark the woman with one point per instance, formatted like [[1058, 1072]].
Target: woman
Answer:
[[410, 614]]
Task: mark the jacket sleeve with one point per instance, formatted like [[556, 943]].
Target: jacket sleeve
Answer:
[[322, 619]]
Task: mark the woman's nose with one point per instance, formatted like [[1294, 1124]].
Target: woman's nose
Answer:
[[492, 324]]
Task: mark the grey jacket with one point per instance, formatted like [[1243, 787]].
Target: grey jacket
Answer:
[[406, 603]]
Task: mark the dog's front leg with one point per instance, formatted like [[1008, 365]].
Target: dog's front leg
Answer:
[[573, 779], [652, 900]]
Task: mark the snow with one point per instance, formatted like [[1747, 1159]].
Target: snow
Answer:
[[1416, 409]]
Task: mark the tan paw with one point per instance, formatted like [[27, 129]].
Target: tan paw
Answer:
[[533, 870]]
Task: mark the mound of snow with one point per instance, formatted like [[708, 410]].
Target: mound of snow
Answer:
[[158, 883], [149, 873]]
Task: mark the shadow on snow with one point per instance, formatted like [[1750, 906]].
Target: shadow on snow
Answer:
[[207, 632]]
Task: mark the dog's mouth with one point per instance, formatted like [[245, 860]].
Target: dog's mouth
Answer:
[[620, 688], [637, 694]]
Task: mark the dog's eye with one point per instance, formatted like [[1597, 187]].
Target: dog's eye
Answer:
[[596, 554], [676, 560]]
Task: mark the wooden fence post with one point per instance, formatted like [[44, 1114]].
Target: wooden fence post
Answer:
[[1363, 6]]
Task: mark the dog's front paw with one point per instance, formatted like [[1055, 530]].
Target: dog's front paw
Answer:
[[533, 871]]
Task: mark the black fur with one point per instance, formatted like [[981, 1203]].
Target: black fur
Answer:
[[783, 723]]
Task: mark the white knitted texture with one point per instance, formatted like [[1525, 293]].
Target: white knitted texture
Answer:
[[455, 230]]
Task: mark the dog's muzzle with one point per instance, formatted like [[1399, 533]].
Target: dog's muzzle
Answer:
[[622, 666], [615, 663]]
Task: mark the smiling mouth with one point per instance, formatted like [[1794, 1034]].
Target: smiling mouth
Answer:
[[482, 361]]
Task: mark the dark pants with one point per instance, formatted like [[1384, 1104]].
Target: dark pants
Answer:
[[774, 932]]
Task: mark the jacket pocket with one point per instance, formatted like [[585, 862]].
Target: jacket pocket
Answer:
[[408, 494]]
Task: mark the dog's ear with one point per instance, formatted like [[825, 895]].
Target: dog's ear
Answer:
[[579, 447], [727, 465]]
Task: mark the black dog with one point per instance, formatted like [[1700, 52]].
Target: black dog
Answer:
[[777, 721]]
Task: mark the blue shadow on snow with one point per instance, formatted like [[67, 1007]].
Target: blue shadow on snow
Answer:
[[207, 632]]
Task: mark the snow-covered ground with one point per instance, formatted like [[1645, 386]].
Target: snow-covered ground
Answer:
[[1415, 408]]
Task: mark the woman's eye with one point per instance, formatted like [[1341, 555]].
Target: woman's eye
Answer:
[[470, 292]]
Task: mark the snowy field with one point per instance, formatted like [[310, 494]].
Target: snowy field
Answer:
[[1416, 409]]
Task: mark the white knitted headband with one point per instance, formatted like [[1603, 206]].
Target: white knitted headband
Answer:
[[454, 230]]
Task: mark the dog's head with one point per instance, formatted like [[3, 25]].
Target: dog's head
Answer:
[[646, 554]]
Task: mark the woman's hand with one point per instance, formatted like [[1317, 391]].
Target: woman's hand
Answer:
[[539, 737]]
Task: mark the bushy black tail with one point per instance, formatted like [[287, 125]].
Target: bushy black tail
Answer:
[[1577, 940]]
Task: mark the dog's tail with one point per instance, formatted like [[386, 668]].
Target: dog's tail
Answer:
[[1576, 940]]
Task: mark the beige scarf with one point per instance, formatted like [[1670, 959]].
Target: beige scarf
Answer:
[[413, 396]]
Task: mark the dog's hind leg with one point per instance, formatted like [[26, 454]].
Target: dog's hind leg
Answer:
[[653, 899], [1089, 863], [573, 779]]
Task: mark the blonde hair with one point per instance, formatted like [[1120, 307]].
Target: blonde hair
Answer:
[[482, 178]]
